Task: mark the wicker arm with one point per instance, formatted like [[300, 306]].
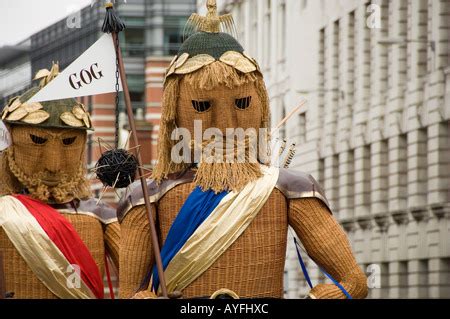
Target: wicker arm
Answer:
[[326, 243], [112, 241], [136, 253]]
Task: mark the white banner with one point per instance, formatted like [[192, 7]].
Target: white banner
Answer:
[[94, 72], [5, 137]]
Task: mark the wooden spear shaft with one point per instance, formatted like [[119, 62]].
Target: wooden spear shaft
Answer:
[[154, 236], [283, 121]]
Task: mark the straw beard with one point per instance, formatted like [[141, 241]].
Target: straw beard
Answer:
[[226, 166], [67, 189]]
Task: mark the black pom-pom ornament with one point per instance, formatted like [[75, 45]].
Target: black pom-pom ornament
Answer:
[[112, 22], [116, 168]]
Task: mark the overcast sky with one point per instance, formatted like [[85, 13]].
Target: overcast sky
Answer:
[[21, 18]]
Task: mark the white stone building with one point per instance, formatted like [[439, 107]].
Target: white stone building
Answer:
[[375, 132]]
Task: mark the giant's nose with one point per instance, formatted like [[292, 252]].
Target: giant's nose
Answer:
[[52, 158], [225, 116]]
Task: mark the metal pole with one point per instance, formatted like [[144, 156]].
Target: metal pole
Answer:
[[154, 236]]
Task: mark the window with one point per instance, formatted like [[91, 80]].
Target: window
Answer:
[[283, 115], [382, 177], [335, 60], [349, 91], [398, 172], [134, 36], [383, 55], [134, 22], [363, 162], [346, 179], [267, 34], [417, 167], [402, 279], [133, 43], [398, 23], [422, 277], [321, 174], [282, 31], [302, 127], [321, 78], [173, 34], [331, 182], [254, 27], [423, 36]]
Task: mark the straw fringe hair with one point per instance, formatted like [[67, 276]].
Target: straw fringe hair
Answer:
[[216, 74], [165, 165], [8, 182], [207, 78]]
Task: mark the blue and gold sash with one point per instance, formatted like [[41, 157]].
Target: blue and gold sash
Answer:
[[207, 225]]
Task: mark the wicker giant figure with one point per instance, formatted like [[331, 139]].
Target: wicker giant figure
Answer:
[[53, 235], [224, 223]]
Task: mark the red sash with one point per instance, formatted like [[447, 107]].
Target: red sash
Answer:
[[65, 237]]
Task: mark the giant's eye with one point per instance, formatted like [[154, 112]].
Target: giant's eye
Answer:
[[201, 106], [243, 103], [37, 139], [69, 140]]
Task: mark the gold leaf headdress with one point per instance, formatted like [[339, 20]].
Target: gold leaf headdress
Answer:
[[212, 23], [46, 76]]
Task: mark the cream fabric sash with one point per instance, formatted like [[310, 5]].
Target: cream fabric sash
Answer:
[[216, 234], [39, 252]]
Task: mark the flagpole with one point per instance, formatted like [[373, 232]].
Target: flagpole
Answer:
[[126, 93]]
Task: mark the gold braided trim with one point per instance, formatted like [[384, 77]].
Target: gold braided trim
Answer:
[[76, 187]]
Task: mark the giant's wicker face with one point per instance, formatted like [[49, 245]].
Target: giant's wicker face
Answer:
[[221, 107], [48, 158], [53, 152]]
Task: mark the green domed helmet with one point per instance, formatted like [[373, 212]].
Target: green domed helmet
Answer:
[[207, 44]]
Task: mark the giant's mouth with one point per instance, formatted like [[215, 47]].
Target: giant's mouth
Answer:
[[51, 181]]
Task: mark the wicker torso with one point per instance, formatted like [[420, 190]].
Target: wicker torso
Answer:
[[253, 266], [20, 278]]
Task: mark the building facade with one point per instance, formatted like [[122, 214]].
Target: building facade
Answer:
[[375, 131], [15, 70], [152, 37]]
